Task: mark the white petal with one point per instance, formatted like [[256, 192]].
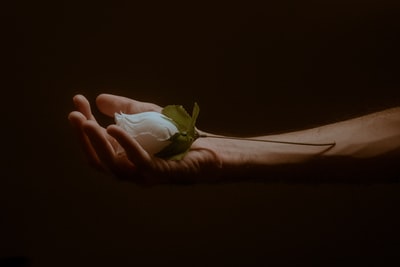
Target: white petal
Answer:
[[152, 130]]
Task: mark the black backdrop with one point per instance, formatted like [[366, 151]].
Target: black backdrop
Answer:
[[254, 69]]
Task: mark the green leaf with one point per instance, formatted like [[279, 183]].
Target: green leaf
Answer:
[[180, 145], [182, 141], [179, 115], [195, 114]]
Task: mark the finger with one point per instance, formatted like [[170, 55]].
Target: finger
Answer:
[[121, 167], [77, 120], [101, 144], [111, 104], [134, 151], [83, 106]]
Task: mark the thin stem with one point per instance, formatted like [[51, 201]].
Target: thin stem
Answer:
[[268, 141]]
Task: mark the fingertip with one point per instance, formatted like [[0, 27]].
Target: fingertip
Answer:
[[110, 101], [113, 129], [120, 135], [75, 115], [82, 105], [79, 99], [72, 115], [100, 98], [103, 96], [77, 96], [76, 119], [109, 104]]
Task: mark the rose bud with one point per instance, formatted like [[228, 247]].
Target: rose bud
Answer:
[[152, 130], [167, 135]]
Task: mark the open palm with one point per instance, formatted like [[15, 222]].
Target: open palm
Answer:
[[100, 145]]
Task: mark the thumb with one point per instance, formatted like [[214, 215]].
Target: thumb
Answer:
[[110, 104]]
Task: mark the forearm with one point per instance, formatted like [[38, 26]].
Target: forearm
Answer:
[[363, 137]]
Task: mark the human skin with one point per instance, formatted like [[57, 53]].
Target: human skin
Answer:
[[223, 159]]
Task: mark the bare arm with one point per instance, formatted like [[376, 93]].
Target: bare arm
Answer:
[[365, 137], [214, 159]]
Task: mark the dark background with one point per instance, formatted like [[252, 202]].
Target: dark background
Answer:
[[254, 69]]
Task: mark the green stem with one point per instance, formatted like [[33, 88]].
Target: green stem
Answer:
[[332, 144]]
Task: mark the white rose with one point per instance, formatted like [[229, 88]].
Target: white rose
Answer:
[[152, 130]]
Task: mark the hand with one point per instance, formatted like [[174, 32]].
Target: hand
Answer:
[[135, 164]]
